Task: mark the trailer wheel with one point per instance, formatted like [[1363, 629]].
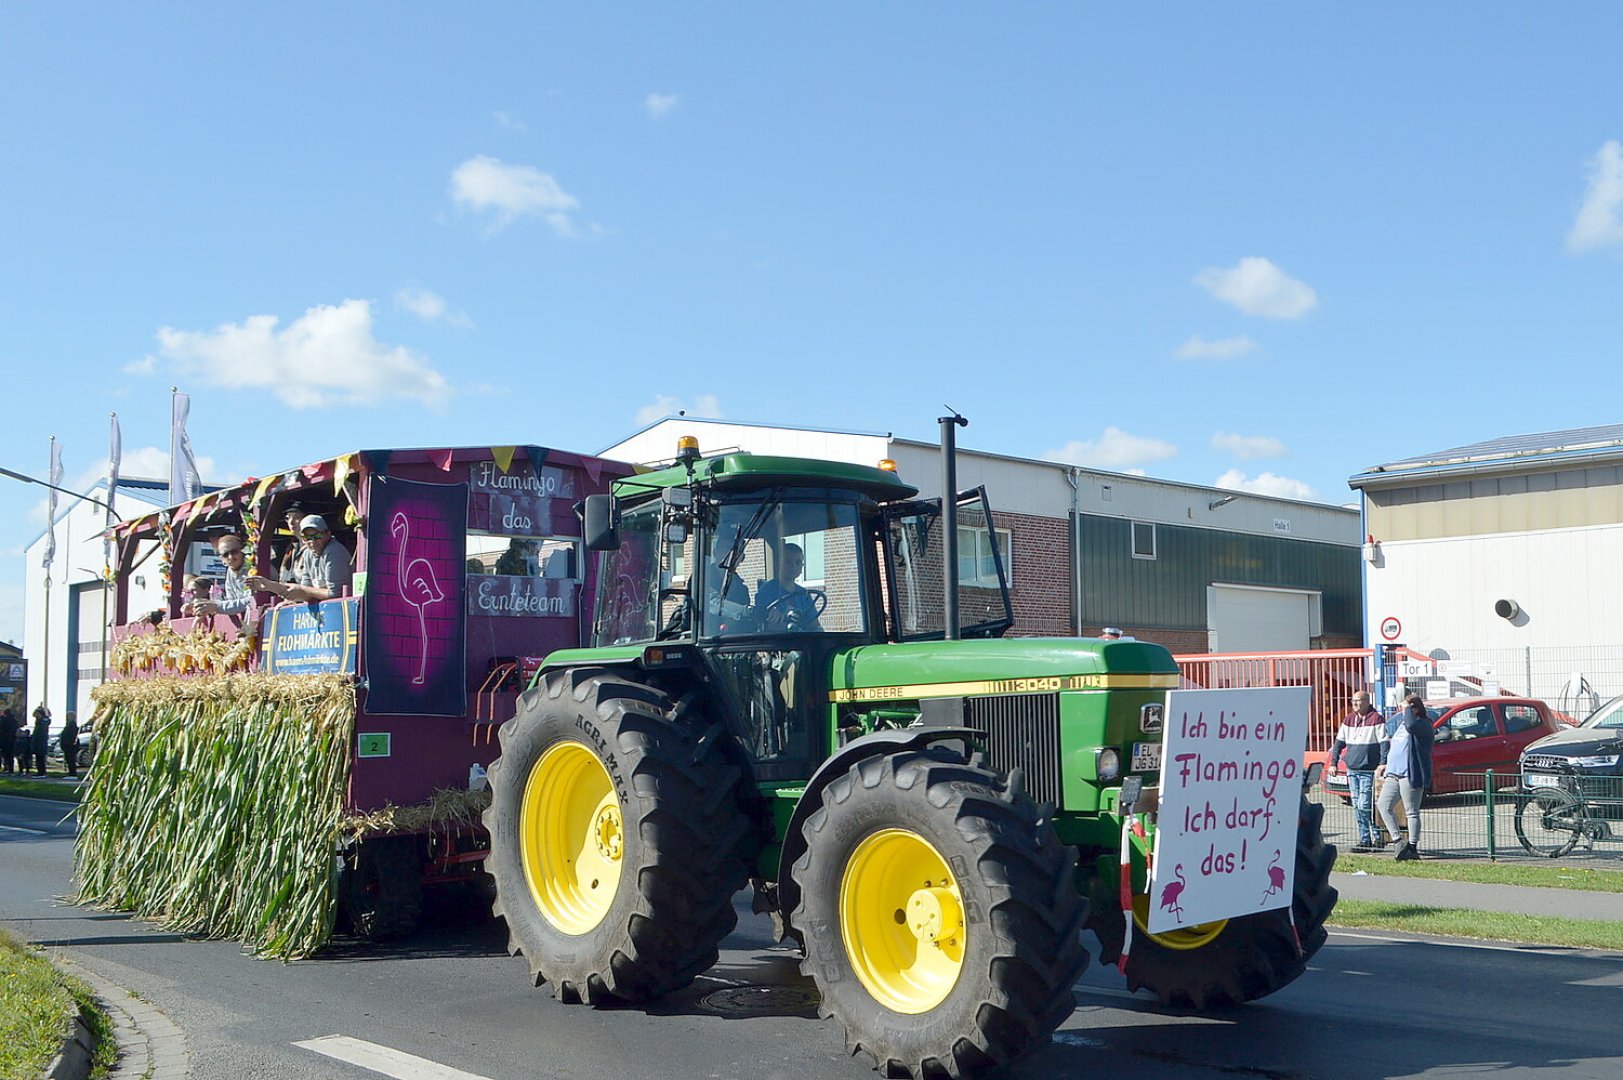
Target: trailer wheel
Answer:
[[1232, 961], [383, 888], [941, 922], [614, 840]]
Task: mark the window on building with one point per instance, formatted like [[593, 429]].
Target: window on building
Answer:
[[975, 565], [1143, 540]]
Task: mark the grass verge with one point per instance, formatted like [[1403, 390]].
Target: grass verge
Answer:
[[1487, 925], [39, 789], [1551, 875], [37, 1007]]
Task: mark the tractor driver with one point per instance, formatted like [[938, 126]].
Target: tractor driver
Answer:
[[783, 603]]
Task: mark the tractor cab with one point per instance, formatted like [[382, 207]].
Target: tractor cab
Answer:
[[772, 568]]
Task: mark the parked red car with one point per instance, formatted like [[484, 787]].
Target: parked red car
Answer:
[[1473, 736]]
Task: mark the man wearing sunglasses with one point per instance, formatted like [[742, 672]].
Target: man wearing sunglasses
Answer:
[[238, 597], [322, 569]]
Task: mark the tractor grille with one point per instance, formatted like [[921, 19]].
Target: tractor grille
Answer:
[[1022, 732]]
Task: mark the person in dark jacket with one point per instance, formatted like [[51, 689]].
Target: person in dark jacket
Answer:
[[42, 737], [9, 726], [69, 741], [1362, 737], [1407, 773]]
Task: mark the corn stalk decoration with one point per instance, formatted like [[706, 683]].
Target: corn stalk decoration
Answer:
[[216, 805]]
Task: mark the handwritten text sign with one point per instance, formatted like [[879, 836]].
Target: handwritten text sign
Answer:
[[1231, 784]]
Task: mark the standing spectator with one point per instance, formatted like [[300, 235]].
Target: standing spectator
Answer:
[[1363, 736], [42, 737], [1110, 633], [69, 741], [1408, 773], [9, 724]]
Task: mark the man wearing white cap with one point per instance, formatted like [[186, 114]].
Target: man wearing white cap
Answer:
[[322, 569]]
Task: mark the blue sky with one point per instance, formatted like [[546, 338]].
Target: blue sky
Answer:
[[1258, 245]]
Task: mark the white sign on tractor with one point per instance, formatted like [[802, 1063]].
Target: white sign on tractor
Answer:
[[1231, 783]]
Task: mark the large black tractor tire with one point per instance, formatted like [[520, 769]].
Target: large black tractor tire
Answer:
[[382, 896], [1251, 956], [941, 920], [614, 839]]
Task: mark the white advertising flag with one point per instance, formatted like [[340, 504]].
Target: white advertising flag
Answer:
[[55, 480], [184, 483]]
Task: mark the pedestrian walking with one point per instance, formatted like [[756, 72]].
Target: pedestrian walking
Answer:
[[42, 737], [1407, 773], [1362, 737], [9, 726], [69, 741]]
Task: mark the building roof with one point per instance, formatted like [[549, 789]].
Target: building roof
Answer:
[[1512, 453]]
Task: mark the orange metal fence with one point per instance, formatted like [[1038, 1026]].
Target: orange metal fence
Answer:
[[1333, 674]]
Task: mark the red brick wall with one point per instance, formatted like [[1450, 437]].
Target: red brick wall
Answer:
[[1040, 581]]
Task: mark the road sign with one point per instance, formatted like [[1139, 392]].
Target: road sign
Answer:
[[1391, 628]]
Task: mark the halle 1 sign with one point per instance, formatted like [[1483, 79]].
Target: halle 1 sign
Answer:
[[1231, 786]]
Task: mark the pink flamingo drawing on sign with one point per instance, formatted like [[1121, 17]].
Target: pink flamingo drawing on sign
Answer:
[[1276, 878], [1174, 889], [418, 588]]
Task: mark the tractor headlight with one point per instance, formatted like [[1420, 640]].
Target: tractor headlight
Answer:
[[1107, 763]]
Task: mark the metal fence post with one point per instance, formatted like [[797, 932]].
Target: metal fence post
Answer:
[[1488, 789]]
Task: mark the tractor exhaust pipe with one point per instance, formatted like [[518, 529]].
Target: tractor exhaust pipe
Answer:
[[949, 519]]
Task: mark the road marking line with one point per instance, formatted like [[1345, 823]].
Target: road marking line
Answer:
[[383, 1059], [23, 828], [1485, 946]]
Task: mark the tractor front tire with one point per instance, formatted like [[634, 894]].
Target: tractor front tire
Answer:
[[1239, 960], [941, 921], [614, 839]]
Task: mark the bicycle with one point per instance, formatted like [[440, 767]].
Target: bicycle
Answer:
[[1551, 821]]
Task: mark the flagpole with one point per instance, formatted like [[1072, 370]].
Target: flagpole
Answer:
[[50, 553], [114, 458]]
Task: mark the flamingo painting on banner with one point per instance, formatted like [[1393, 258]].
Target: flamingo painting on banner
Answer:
[[414, 631]]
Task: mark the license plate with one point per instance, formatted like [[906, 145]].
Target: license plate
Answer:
[[1537, 780], [1146, 757]]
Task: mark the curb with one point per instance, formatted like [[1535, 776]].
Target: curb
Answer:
[[73, 1063], [150, 1046]]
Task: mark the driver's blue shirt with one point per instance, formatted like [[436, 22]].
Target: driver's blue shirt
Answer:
[[799, 609]]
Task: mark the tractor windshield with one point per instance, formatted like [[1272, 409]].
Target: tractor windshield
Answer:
[[783, 566]]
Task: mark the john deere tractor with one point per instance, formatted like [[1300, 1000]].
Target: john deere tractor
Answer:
[[796, 682]]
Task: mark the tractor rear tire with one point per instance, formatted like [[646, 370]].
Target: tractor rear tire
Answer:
[[614, 839], [1251, 956], [941, 920], [383, 888]]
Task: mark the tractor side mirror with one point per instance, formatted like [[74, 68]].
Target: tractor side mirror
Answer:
[[600, 523]]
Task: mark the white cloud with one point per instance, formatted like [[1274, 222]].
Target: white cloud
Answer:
[[1600, 218], [509, 122], [1198, 348], [429, 306], [1248, 447], [1266, 483], [327, 356], [143, 366], [1115, 449], [11, 611], [509, 192], [657, 105], [705, 405], [1256, 286]]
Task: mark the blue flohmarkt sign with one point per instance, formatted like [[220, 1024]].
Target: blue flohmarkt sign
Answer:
[[309, 639]]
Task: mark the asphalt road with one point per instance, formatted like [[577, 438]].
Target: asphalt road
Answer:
[[1374, 1006]]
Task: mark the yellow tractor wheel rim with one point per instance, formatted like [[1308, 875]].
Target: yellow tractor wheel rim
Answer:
[[1185, 937], [572, 838], [902, 920]]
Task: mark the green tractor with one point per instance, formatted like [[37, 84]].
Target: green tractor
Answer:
[[794, 681]]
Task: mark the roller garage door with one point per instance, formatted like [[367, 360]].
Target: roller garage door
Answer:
[[1245, 618]]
